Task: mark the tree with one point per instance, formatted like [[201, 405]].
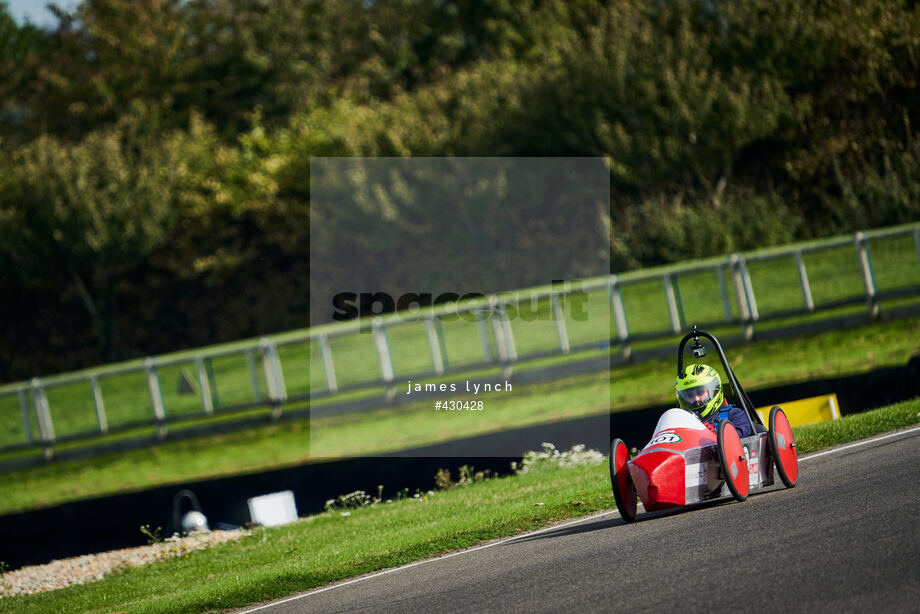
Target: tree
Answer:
[[83, 215], [22, 50]]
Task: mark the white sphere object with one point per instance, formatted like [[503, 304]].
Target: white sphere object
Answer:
[[194, 521]]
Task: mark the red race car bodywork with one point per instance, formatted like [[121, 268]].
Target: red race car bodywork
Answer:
[[685, 462], [680, 465]]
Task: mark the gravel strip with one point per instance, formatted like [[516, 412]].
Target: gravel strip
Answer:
[[90, 567]]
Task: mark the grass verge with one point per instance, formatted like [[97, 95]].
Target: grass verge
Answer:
[[758, 364], [814, 437], [320, 549]]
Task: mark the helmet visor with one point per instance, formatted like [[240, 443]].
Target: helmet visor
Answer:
[[696, 398]]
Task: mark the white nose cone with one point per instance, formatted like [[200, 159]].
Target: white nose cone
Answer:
[[194, 521]]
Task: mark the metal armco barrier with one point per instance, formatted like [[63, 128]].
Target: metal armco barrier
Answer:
[[27, 413]]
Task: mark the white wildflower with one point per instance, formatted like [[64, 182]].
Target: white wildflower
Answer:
[[551, 457]]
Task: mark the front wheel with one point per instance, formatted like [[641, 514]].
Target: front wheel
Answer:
[[783, 446], [732, 460], [624, 493]]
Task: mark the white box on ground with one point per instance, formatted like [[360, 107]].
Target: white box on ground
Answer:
[[273, 509]]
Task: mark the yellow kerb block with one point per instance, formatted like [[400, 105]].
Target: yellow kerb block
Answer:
[[806, 411]]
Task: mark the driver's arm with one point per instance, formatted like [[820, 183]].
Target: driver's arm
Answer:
[[740, 421]]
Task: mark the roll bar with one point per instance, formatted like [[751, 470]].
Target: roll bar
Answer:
[[743, 398]]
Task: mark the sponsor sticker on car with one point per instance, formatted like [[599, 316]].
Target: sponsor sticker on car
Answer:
[[753, 465]]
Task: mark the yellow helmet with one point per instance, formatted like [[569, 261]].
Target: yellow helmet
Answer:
[[699, 390]]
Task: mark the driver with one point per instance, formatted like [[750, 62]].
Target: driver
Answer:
[[699, 391]]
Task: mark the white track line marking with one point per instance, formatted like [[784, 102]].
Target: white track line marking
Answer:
[[537, 532]]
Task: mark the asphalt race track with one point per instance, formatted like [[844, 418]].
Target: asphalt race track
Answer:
[[846, 539]]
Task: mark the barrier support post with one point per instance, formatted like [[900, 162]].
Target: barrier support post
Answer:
[[156, 396], [865, 268], [744, 312], [803, 280], [26, 421], [98, 404], [619, 315], [328, 366], [43, 413], [385, 357], [559, 316]]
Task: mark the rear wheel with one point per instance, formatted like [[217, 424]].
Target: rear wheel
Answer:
[[623, 491], [732, 460], [783, 446]]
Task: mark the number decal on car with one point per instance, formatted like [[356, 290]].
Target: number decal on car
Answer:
[[665, 437]]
